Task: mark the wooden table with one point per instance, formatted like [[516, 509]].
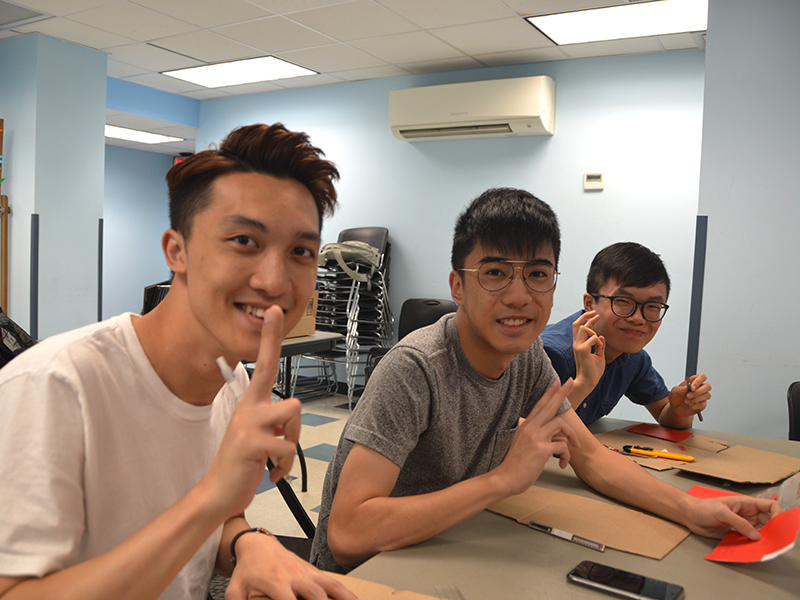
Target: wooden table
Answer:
[[490, 557]]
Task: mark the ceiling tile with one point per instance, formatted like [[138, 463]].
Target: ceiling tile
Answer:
[[60, 7], [678, 41], [328, 58], [548, 7], [129, 121], [280, 7], [151, 58], [371, 73], [643, 45], [251, 88], [120, 70], [77, 33], [207, 13], [411, 47], [493, 36], [309, 81], [274, 34], [444, 13], [520, 57], [132, 21], [439, 66], [206, 46], [163, 82], [206, 94], [354, 20]]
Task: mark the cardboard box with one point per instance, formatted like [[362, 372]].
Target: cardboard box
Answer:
[[308, 322]]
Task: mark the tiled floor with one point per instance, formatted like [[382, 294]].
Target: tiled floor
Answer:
[[323, 420]]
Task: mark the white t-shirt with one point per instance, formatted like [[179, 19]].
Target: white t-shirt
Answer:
[[93, 446]]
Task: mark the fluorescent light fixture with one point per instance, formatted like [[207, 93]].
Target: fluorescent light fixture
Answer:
[[134, 135], [660, 17], [251, 70]]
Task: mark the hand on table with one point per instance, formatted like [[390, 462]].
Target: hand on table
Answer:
[[266, 569], [714, 517]]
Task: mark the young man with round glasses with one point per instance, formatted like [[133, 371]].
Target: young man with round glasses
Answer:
[[625, 301], [468, 411]]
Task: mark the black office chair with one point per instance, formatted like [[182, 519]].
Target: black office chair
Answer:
[[793, 396], [153, 294], [414, 314]]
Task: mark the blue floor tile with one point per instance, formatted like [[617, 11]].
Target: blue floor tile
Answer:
[[266, 484], [320, 452], [312, 420]]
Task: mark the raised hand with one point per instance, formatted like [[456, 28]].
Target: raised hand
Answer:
[[257, 430], [589, 349], [541, 435]]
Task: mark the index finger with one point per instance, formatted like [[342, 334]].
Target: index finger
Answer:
[[269, 353], [546, 408]]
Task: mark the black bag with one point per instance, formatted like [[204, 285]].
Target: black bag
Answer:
[[13, 339]]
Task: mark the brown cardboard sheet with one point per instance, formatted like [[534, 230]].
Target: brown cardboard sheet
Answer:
[[742, 464], [698, 446], [615, 526], [367, 590], [713, 458]]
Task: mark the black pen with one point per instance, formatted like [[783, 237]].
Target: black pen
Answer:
[[575, 539]]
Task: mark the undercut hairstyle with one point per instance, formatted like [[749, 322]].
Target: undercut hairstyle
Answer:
[[268, 149], [507, 220], [629, 264]]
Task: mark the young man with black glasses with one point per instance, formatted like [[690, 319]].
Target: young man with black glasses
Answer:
[[468, 411], [625, 301]]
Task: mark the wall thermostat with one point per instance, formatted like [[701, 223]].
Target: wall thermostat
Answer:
[[593, 181]]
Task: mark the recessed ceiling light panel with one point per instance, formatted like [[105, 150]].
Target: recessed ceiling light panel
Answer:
[[251, 70], [134, 135], [662, 17]]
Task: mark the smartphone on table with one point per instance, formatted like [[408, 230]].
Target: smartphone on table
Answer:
[[623, 583]]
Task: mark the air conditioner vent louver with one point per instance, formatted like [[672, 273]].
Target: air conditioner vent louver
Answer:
[[497, 108]]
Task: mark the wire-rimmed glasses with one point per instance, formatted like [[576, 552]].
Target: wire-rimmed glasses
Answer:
[[496, 275]]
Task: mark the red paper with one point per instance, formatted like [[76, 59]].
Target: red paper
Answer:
[[777, 536], [662, 433]]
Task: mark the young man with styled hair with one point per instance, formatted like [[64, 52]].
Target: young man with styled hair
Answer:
[[467, 412], [627, 289], [127, 461]]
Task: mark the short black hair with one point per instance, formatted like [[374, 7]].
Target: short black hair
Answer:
[[629, 264], [269, 149], [508, 220]]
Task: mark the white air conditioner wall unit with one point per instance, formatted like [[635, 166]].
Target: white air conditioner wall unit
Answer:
[[496, 108]]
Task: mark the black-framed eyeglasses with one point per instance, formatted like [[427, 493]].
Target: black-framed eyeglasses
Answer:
[[496, 275], [625, 307]]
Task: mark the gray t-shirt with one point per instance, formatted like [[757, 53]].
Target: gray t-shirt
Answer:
[[432, 414]]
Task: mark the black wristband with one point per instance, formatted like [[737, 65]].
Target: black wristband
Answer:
[[240, 534]]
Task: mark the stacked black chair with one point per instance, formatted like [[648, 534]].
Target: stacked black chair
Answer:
[[359, 310]]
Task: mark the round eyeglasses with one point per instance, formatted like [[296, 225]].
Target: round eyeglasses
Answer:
[[496, 275], [625, 307]]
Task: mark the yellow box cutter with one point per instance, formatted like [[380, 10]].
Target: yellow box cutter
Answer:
[[657, 453]]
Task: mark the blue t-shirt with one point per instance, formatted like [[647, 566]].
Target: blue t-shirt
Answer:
[[630, 375]]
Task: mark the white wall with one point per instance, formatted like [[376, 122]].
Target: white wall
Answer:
[[751, 149], [135, 214], [636, 118]]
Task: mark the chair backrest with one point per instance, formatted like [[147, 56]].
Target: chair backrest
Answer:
[[153, 294], [793, 395], [374, 236], [421, 312]]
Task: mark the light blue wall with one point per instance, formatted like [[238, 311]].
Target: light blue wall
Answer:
[[636, 118], [55, 113], [751, 151], [134, 217]]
